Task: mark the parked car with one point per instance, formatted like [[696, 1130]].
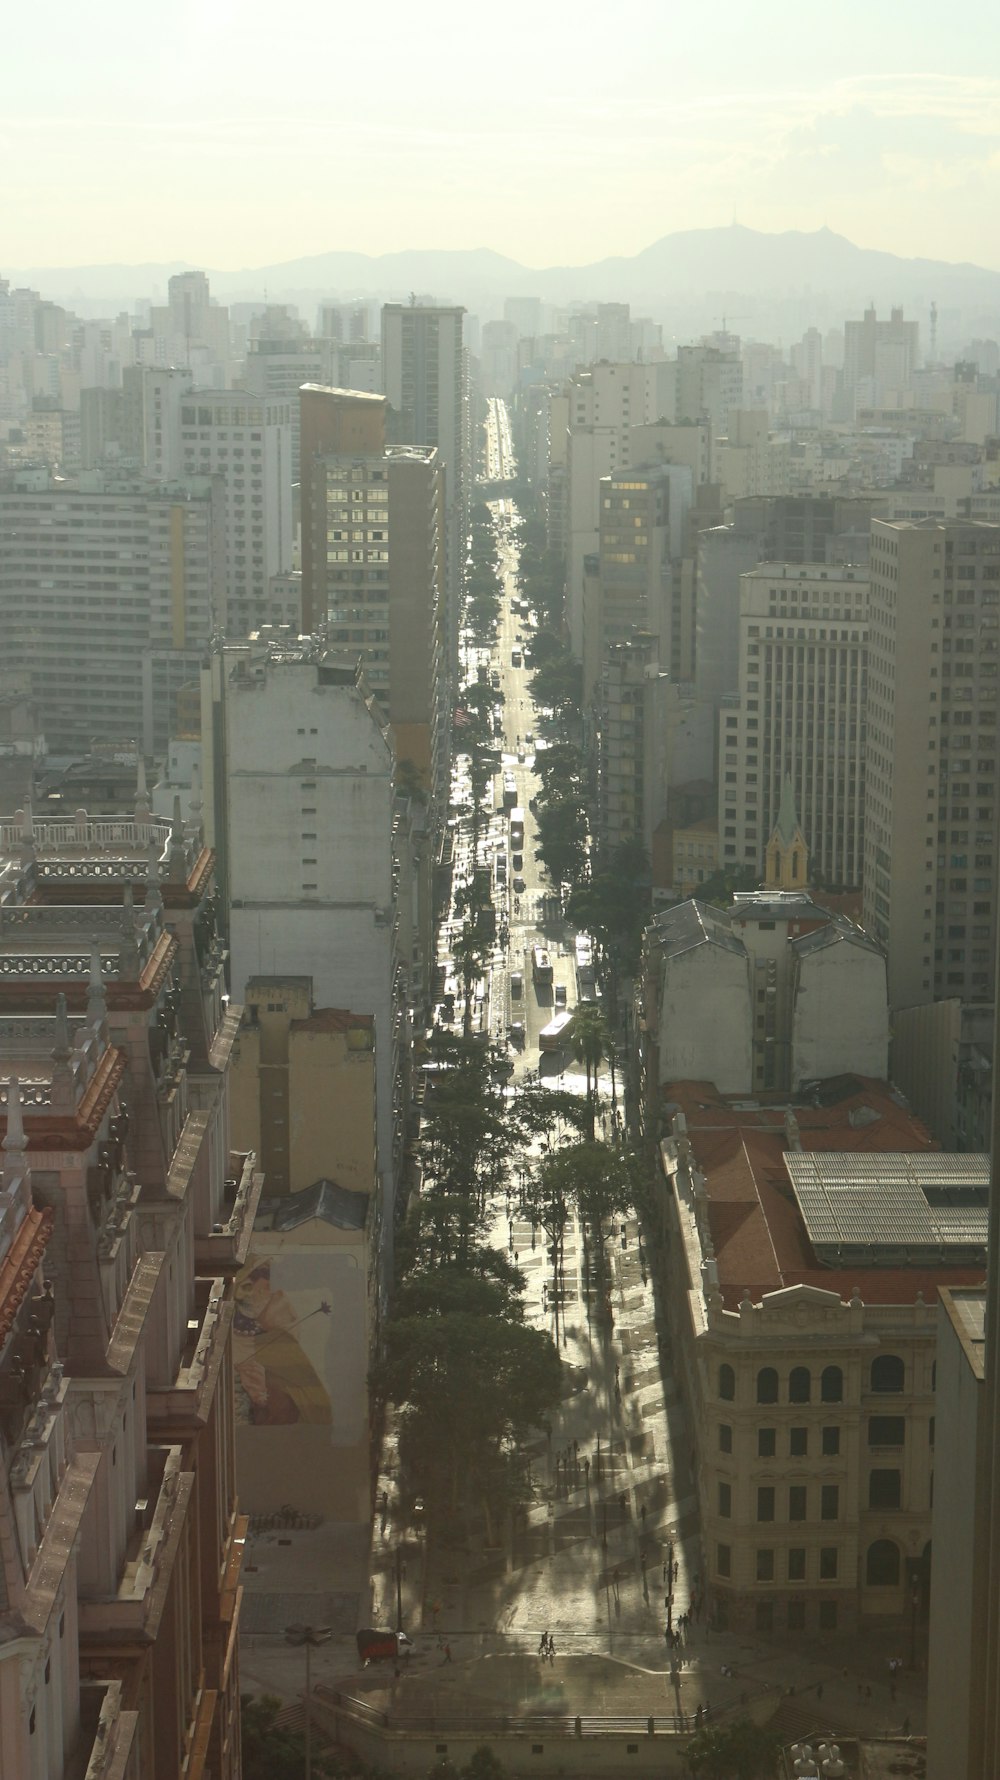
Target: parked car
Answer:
[[519, 886], [560, 996]]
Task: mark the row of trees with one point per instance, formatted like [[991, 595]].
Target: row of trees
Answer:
[[468, 1375], [483, 580]]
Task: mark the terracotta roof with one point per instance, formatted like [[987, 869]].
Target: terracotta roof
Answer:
[[332, 1019], [757, 1230]]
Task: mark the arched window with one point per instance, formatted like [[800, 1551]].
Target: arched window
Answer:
[[767, 1385], [795, 865], [831, 1385], [888, 1373], [882, 1564], [727, 1383], [799, 1384]]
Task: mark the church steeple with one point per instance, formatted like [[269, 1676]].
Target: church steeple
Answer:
[[787, 855]]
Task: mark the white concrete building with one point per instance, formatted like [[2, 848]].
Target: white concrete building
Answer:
[[247, 441], [298, 770], [761, 997], [800, 713]]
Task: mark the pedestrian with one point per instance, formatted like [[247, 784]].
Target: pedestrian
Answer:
[[586, 1471], [543, 1644], [614, 1580], [618, 1375], [623, 1502], [552, 1649]]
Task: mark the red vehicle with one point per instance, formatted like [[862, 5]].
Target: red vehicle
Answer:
[[382, 1646]]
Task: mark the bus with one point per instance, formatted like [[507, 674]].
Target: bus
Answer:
[[541, 965], [553, 1036], [516, 830], [509, 791]]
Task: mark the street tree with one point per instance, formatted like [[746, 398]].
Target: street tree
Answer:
[[562, 838], [559, 684], [590, 1043], [546, 1200], [738, 1751]]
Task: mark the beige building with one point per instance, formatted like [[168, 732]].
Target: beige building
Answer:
[[806, 1241], [246, 442], [800, 714], [304, 1091], [931, 757]]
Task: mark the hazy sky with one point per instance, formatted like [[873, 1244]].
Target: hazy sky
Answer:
[[234, 135]]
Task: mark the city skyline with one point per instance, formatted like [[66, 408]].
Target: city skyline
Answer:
[[497, 134]]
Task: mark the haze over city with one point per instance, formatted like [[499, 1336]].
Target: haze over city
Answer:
[[499, 851]]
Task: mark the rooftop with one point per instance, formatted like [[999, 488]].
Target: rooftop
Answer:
[[759, 1235]]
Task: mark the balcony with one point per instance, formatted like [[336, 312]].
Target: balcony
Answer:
[[133, 1611], [106, 1747], [178, 1410], [224, 1248]]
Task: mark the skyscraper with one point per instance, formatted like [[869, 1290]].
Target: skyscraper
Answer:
[[931, 767], [425, 378]]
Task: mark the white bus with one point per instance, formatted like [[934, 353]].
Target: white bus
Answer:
[[541, 965], [553, 1036]]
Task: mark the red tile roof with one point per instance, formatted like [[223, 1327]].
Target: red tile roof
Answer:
[[757, 1230]]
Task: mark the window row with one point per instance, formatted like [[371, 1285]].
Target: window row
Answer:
[[798, 1441], [887, 1374], [798, 1500], [767, 1559]]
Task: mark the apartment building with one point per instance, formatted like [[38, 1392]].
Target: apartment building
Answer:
[[799, 715], [931, 773], [110, 586], [246, 441], [126, 1220], [641, 519]]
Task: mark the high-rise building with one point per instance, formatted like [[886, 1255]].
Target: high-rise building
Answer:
[[246, 441], [126, 1218], [709, 383], [277, 369], [931, 761], [110, 587], [375, 518], [298, 772], [799, 715], [425, 378], [642, 516]]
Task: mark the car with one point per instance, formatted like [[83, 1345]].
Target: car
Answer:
[[519, 886], [517, 984], [560, 995], [516, 1030], [517, 861]]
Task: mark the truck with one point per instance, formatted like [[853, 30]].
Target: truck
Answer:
[[541, 965], [516, 830], [377, 1646]]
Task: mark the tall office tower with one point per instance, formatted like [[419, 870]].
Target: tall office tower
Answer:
[[931, 777], [709, 383], [799, 716], [151, 419], [614, 332], [110, 588], [631, 586], [425, 377], [277, 369], [126, 1218], [246, 441], [605, 403], [333, 423], [879, 355], [299, 766]]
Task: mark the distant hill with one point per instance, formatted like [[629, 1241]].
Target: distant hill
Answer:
[[692, 277]]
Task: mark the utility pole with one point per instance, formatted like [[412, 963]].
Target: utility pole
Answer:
[[310, 1636]]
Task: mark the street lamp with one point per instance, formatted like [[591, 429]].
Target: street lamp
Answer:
[[311, 1636]]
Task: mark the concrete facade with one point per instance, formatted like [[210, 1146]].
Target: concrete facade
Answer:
[[245, 440], [931, 767]]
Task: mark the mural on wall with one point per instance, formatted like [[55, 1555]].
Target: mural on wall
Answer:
[[280, 1332]]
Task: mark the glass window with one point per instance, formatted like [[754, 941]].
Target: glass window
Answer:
[[828, 1616], [828, 1563], [765, 1502], [884, 1489], [799, 1385], [724, 1560], [725, 1437], [831, 1441], [829, 1504], [767, 1442], [796, 1616], [831, 1387], [764, 1616], [886, 1430], [767, 1385], [798, 1442], [725, 1501], [797, 1501], [797, 1563], [727, 1383], [882, 1564], [888, 1373], [765, 1566]]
